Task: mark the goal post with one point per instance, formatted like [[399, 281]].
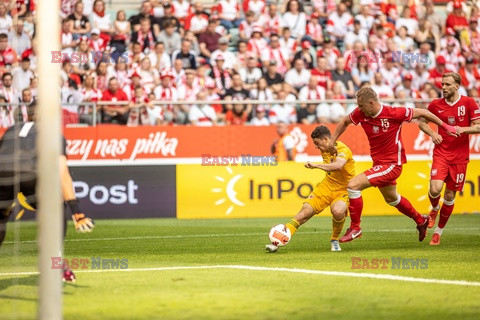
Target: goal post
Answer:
[[50, 211]]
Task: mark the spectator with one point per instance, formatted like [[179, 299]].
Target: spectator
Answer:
[[221, 76], [188, 90], [246, 26], [22, 75], [212, 96], [251, 74], [70, 98], [456, 20], [197, 21], [340, 75], [255, 6], [407, 88], [452, 56], [260, 118], [67, 74], [330, 112], [420, 76], [237, 115], [68, 44], [272, 77], [274, 52], [29, 25], [145, 12], [425, 50], [101, 20], [186, 54], [129, 88], [8, 92], [322, 74], [122, 31], [406, 20], [472, 39], [437, 73], [295, 19], [144, 36], [262, 92], [339, 24], [429, 14], [470, 75], [298, 76], [178, 73], [102, 74], [312, 91], [149, 76], [271, 21], [237, 93], [288, 43], [425, 33], [284, 112], [170, 38], [229, 12], [168, 18], [305, 55], [208, 40], [404, 42], [81, 25], [330, 52], [90, 94], [138, 109], [6, 21], [182, 9], [361, 72], [357, 34], [229, 56], [365, 18], [155, 112], [86, 61], [390, 73], [26, 98], [159, 58], [19, 39], [257, 44], [314, 30], [114, 113], [308, 115], [167, 92], [383, 91], [202, 114]]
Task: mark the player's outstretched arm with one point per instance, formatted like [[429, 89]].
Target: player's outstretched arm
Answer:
[[82, 223], [341, 127], [423, 125], [427, 115], [473, 129], [328, 167]]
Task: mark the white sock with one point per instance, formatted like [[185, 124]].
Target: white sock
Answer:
[[437, 207], [439, 230]]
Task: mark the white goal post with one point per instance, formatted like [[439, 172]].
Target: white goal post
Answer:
[[50, 211]]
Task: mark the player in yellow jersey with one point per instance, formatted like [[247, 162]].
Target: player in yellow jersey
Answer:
[[332, 191]]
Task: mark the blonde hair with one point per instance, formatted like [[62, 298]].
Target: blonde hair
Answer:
[[366, 94], [456, 76]]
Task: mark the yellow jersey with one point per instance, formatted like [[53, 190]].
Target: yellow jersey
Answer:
[[339, 179]]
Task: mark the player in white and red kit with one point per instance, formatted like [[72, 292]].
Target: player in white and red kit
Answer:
[[382, 125], [451, 154]]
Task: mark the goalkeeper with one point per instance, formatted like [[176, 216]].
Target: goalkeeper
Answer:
[[332, 191], [18, 162]]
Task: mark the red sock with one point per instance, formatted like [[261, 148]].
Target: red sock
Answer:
[[445, 213], [405, 207], [355, 208], [434, 201]]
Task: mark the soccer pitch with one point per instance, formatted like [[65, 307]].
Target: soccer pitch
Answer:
[[218, 269]]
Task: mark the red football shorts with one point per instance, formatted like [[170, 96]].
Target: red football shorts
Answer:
[[452, 174], [383, 175]]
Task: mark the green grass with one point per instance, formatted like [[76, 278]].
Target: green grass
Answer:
[[250, 294]]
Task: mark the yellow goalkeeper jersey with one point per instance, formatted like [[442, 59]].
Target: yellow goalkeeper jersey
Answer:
[[339, 179]]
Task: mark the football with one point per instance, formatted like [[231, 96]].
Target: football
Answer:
[[280, 235]]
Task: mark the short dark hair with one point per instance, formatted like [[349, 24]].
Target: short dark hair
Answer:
[[6, 74], [321, 132]]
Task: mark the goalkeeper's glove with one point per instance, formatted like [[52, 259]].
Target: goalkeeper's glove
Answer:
[[82, 223]]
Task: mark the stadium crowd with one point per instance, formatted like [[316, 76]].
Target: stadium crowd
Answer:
[[239, 50]]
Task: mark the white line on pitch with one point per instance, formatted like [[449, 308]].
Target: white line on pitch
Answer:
[[216, 235], [293, 270]]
